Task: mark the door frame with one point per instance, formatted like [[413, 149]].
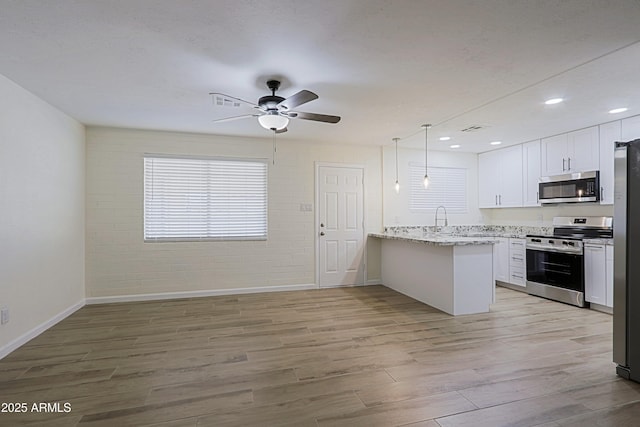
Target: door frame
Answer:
[[316, 228]]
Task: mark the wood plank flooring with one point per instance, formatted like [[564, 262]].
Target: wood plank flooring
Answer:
[[364, 356]]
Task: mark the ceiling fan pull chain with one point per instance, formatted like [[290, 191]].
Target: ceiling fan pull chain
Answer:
[[274, 146]]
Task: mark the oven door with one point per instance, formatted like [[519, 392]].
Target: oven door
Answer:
[[559, 269]]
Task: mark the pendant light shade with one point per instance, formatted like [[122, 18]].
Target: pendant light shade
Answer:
[[426, 141], [397, 185]]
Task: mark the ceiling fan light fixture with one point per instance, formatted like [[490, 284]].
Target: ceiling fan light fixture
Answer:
[[272, 120]]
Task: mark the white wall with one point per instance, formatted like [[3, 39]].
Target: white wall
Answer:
[[42, 160], [396, 205], [119, 263]]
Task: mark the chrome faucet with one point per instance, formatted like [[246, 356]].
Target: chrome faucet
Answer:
[[445, 217]]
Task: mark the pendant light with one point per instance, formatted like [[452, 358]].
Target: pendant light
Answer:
[[397, 186], [426, 140]]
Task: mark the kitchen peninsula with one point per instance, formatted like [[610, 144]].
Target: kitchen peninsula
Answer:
[[453, 273]]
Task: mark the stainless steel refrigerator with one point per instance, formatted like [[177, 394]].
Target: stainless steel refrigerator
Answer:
[[626, 258]]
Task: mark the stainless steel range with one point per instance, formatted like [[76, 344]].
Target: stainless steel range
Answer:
[[555, 264]]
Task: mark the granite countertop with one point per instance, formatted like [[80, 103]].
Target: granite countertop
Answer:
[[438, 239], [459, 234], [599, 241]]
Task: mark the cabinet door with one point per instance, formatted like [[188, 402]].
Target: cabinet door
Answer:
[[583, 150], [609, 134], [488, 180], [609, 272], [594, 274], [554, 155], [510, 167], [630, 128], [530, 173], [501, 259]]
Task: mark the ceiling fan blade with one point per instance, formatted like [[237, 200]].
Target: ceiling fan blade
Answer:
[[283, 130], [230, 119], [224, 97], [315, 117], [299, 98]]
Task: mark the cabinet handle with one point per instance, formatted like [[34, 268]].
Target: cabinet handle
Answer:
[[500, 199], [519, 277], [563, 162], [569, 164], [601, 193], [496, 200], [537, 197]]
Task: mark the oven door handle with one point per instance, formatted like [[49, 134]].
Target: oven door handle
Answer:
[[554, 250]]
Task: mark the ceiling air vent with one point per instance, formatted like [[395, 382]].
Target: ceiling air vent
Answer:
[[473, 128], [223, 101]]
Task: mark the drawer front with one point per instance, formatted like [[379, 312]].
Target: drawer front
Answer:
[[517, 276], [517, 260]]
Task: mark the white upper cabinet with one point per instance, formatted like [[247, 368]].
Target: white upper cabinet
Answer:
[[530, 173], [554, 155], [584, 150], [500, 178], [630, 128], [609, 134], [488, 180], [576, 151]]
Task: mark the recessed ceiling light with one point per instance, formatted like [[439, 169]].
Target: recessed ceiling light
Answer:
[[553, 101], [454, 146], [618, 110], [445, 138], [495, 142]]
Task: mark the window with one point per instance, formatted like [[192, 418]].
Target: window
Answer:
[[447, 187], [199, 198]]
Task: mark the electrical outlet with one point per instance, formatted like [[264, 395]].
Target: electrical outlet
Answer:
[[4, 315]]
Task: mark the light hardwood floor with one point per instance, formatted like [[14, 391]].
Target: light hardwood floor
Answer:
[[352, 357]]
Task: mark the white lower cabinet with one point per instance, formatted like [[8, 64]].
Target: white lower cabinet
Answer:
[[509, 261], [595, 274], [501, 259]]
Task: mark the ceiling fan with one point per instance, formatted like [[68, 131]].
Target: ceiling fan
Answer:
[[275, 111]]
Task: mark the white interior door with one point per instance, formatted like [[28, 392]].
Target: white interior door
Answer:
[[340, 228]]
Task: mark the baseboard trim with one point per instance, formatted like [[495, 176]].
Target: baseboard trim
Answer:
[[28, 336], [373, 282], [197, 294]]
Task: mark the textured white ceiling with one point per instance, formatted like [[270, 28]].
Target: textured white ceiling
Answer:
[[386, 67]]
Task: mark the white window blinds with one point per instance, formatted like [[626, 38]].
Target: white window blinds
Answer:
[[447, 187], [188, 199]]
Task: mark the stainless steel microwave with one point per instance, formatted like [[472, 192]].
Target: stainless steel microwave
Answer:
[[570, 188]]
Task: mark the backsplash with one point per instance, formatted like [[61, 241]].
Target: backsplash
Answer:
[[492, 230]]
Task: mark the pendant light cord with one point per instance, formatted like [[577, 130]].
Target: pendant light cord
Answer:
[[396, 140]]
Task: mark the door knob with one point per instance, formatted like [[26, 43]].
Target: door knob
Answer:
[[322, 233]]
